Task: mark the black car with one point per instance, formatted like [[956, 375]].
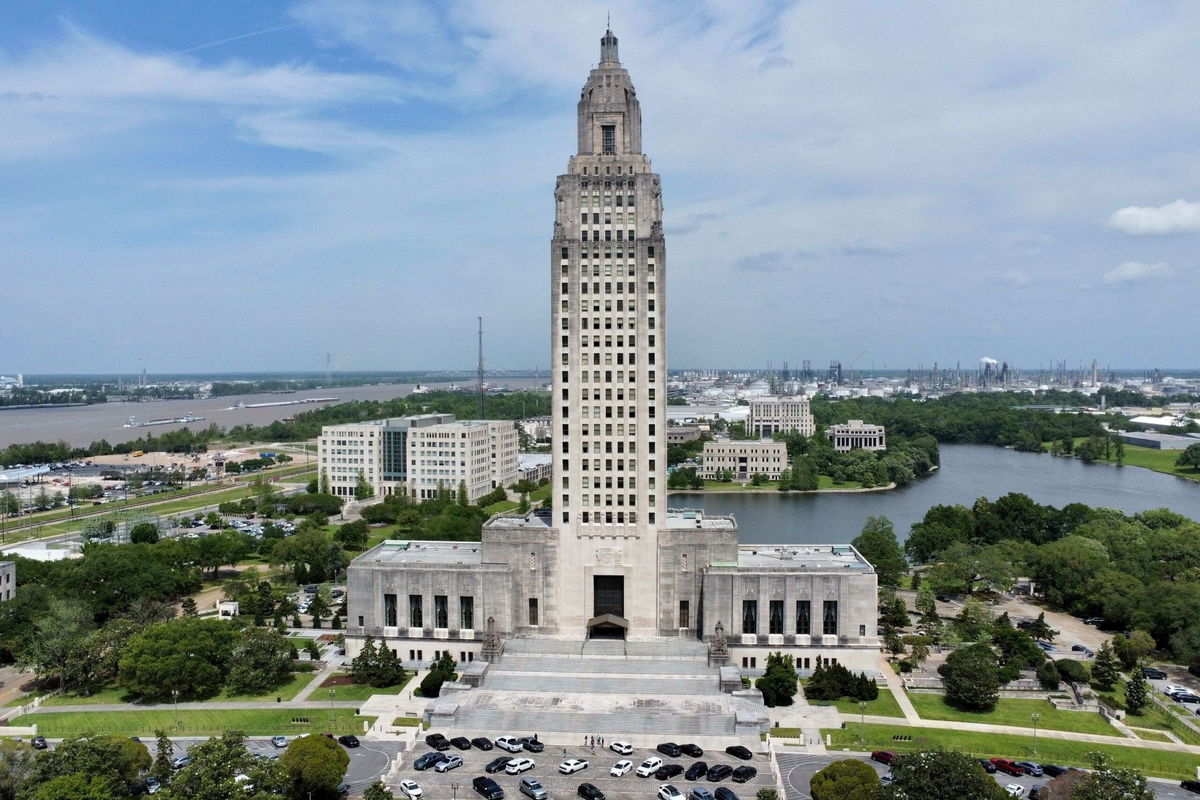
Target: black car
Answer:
[[668, 771], [744, 773], [349, 740], [1194, 669], [738, 751], [691, 750], [461, 742], [482, 743], [1191, 786], [670, 749], [531, 744], [694, 772], [724, 794], [497, 764], [39, 743], [988, 766], [589, 792], [1154, 674], [719, 772], [1185, 697], [428, 760], [1052, 770], [437, 741], [488, 788]]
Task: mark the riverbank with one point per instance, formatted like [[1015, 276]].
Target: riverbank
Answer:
[[1162, 461], [770, 488]]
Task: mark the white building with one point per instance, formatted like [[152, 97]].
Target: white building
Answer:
[[8, 580], [856, 434], [771, 415], [477, 454], [375, 449], [743, 458]]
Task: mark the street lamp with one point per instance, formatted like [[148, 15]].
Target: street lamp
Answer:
[[175, 697], [1035, 717], [862, 720], [331, 696]]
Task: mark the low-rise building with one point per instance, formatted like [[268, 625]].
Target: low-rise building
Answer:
[[772, 415], [376, 450], [678, 434], [535, 467], [856, 434], [8, 580], [744, 459], [477, 454], [1157, 441]]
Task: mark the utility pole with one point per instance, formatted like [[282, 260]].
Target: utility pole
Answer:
[[479, 376]]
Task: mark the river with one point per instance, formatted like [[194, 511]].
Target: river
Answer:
[[967, 473], [82, 425]]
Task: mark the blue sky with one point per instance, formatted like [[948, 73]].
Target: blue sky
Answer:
[[196, 185]]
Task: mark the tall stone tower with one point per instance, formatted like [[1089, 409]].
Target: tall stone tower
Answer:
[[608, 320]]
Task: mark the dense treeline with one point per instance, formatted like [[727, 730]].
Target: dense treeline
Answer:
[[33, 396], [1138, 572]]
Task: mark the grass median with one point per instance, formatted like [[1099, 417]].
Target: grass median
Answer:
[[344, 688], [115, 694], [883, 706], [1160, 763], [1015, 712], [252, 722]]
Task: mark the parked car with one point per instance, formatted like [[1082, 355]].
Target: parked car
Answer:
[[509, 743], [988, 766], [694, 772], [181, 761], [1015, 790], [519, 765], [624, 748], [452, 761], [496, 765], [531, 744], [1030, 768], [1154, 674], [649, 767], [1049, 648], [488, 788], [1171, 689], [700, 793], [279, 741], [669, 749], [621, 768], [461, 742], [1097, 621], [482, 743], [1193, 669], [668, 771], [532, 788], [428, 760], [669, 792], [152, 785], [437, 741], [589, 792], [724, 794], [719, 772], [572, 765], [1078, 648], [1191, 786], [39, 743], [883, 756], [744, 773], [410, 789], [738, 751], [691, 750], [1185, 697], [350, 740], [1053, 770], [1007, 766]]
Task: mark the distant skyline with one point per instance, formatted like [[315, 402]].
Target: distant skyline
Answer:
[[188, 187]]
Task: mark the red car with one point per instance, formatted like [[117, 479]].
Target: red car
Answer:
[[1007, 766], [883, 756]]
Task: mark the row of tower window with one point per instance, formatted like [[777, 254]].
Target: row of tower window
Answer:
[[608, 393], [609, 218], [620, 374], [608, 465], [606, 199], [608, 287], [608, 270], [621, 322], [608, 358], [775, 623], [606, 518], [608, 412]]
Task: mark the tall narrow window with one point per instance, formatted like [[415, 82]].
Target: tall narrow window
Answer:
[[685, 616], [609, 135], [831, 618], [749, 616], [415, 618], [441, 612], [466, 612], [533, 611], [804, 617], [775, 621], [389, 610]]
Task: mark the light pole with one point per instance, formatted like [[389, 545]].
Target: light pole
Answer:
[[1035, 717], [175, 697], [862, 720], [331, 696]]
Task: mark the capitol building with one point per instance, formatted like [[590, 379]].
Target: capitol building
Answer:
[[610, 560]]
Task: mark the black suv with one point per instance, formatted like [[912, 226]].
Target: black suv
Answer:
[[1191, 786], [691, 750], [348, 740], [1153, 674], [669, 749], [719, 772], [482, 743], [589, 792], [724, 794], [668, 771], [737, 751], [744, 773], [694, 772], [497, 764], [488, 788], [428, 760], [437, 741]]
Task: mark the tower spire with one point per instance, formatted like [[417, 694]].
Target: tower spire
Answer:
[[608, 46]]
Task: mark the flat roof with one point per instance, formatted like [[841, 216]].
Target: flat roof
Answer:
[[400, 551], [811, 557], [696, 518]]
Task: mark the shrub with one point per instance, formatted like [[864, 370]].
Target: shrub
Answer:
[[1071, 670]]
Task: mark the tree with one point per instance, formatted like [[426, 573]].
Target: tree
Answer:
[[779, 683], [1132, 648], [1040, 630], [1106, 782], [314, 764], [364, 665], [1136, 694], [971, 678], [1047, 675], [353, 535], [848, 779], [378, 791], [318, 607], [56, 643], [1190, 457], [313, 486], [161, 769], [16, 765], [90, 766], [261, 660], [216, 765], [188, 607], [938, 774], [431, 684], [1105, 669], [362, 489], [189, 655], [143, 533], [877, 544]]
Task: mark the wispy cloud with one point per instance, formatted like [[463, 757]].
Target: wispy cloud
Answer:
[[1136, 272], [1177, 217]]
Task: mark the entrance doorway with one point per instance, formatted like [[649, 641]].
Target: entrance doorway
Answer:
[[608, 607]]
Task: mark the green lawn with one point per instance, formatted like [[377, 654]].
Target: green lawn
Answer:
[[355, 691], [1160, 763], [502, 505], [1148, 458], [884, 706], [1015, 712], [116, 694], [823, 482], [253, 722], [1153, 736], [541, 493]]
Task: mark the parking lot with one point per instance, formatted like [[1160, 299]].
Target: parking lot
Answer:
[[457, 782]]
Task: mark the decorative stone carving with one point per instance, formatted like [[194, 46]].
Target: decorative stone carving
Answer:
[[831, 589], [533, 561], [719, 646], [610, 555]]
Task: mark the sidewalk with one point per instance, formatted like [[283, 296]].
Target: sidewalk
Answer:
[[897, 688]]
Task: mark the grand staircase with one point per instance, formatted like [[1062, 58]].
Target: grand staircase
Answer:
[[659, 688]]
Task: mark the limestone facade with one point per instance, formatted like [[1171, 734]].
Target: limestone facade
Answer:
[[771, 415]]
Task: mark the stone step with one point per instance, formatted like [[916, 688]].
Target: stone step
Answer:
[[662, 648], [604, 666], [519, 682], [609, 724]]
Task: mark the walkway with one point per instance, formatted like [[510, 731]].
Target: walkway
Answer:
[[897, 688]]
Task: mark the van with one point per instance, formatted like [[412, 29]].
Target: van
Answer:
[[532, 788]]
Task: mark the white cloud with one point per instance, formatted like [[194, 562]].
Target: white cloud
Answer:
[[1177, 217], [1018, 277], [1135, 272]]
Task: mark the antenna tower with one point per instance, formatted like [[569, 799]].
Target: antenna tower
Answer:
[[479, 376]]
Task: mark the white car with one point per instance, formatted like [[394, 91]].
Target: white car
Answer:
[[572, 765], [649, 767], [669, 792], [624, 748], [510, 744], [620, 768], [1171, 688], [1015, 790], [410, 789], [519, 765]]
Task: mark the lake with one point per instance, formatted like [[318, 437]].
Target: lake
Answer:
[[968, 472]]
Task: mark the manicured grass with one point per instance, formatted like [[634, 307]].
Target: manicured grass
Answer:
[[116, 694], [1015, 712], [1147, 458], [502, 505], [253, 722], [884, 706], [354, 691], [541, 492], [1153, 736], [823, 482], [1162, 763]]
